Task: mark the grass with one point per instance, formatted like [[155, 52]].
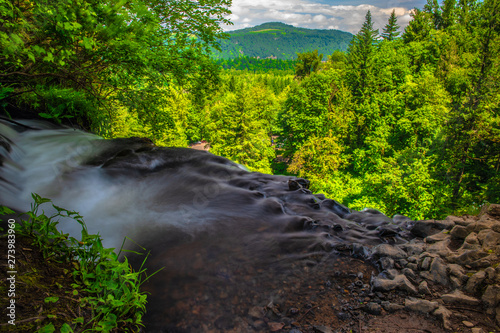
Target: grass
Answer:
[[66, 284]]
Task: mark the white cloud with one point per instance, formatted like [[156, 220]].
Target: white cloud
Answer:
[[314, 15]]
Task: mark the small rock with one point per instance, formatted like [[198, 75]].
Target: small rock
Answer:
[[386, 263], [491, 298], [423, 288], [458, 297], [466, 257], [275, 326], [424, 228], [440, 236], [412, 266], [391, 307], [459, 232], [475, 282], [420, 305], [439, 271], [444, 314], [477, 330], [414, 249], [409, 273], [342, 315], [373, 308], [468, 324], [322, 329], [440, 248], [426, 263], [386, 250], [256, 312], [400, 282]]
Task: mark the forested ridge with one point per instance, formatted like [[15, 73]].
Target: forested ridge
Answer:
[[280, 41], [407, 123]]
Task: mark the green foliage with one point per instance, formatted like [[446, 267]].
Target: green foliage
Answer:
[[106, 53], [307, 63], [113, 288], [241, 124], [256, 65], [407, 126]]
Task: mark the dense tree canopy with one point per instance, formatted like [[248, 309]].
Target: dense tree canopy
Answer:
[[86, 58]]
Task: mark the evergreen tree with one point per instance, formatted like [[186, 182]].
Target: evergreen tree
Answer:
[[360, 56], [391, 28], [449, 13]]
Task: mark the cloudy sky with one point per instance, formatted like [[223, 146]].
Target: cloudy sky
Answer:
[[345, 15]]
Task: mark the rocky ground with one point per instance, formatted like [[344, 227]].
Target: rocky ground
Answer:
[[446, 279]]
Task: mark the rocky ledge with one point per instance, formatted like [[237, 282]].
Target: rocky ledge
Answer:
[[450, 266]]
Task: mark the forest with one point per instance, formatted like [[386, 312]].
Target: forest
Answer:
[[403, 122], [280, 41]]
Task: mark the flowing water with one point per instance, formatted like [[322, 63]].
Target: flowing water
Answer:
[[228, 239]]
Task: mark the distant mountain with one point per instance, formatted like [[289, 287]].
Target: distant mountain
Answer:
[[281, 41]]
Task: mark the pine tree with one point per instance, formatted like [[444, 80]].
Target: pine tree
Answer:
[[361, 52], [391, 28]]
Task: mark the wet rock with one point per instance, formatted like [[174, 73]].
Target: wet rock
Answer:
[[423, 288], [391, 307], [373, 308], [475, 281], [444, 315], [400, 282], [420, 305], [386, 250], [335, 207], [439, 271], [458, 297], [459, 232]]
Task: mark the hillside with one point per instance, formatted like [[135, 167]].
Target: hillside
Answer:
[[282, 41]]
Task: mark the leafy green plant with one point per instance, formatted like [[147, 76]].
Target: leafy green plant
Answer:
[[113, 287]]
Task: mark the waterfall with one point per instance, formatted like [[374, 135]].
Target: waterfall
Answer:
[[220, 232]]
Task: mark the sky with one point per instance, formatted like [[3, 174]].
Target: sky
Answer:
[[342, 15]]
